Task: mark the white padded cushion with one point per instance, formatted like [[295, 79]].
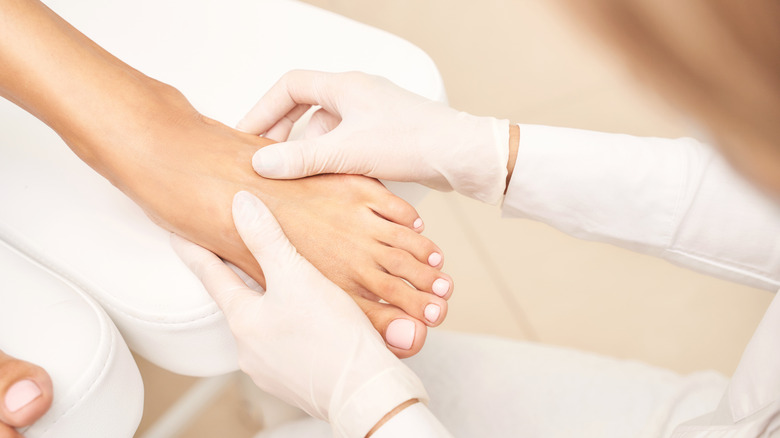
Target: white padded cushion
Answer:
[[97, 388], [223, 56]]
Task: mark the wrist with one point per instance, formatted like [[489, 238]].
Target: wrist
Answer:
[[480, 173], [392, 414], [415, 420], [514, 145], [363, 409]]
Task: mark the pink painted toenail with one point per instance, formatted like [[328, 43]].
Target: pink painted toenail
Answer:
[[434, 259], [20, 394], [441, 287], [417, 223], [400, 334], [432, 312]]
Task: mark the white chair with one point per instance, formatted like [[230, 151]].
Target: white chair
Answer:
[[56, 325], [73, 223]]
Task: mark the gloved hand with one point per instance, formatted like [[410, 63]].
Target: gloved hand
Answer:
[[375, 128], [303, 340]]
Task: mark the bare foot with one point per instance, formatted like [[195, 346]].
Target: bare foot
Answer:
[[26, 394], [184, 169], [358, 234]]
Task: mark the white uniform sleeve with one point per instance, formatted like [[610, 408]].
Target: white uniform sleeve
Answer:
[[676, 199], [415, 421]]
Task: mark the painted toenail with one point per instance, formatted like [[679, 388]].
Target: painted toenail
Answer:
[[434, 259], [432, 312], [20, 394], [400, 334], [417, 223], [441, 287]]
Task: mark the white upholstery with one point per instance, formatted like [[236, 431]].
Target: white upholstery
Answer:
[[223, 55], [97, 388]]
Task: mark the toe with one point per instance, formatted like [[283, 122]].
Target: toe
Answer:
[[415, 244], [417, 304], [403, 334], [423, 277], [25, 392], [397, 210]]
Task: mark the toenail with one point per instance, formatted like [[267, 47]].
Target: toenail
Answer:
[[20, 394], [434, 259], [441, 287], [432, 312], [418, 223], [400, 334]]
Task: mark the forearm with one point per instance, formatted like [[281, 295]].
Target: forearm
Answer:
[[675, 199]]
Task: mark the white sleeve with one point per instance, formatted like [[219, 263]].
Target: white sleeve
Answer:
[[415, 421], [676, 199]]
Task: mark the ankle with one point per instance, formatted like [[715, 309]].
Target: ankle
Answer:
[[107, 132]]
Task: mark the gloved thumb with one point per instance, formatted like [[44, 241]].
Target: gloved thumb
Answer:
[[296, 159], [263, 236], [229, 291]]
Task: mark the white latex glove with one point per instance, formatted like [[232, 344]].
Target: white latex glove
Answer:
[[380, 130], [303, 340]]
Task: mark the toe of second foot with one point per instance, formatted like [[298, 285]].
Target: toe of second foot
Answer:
[[25, 392]]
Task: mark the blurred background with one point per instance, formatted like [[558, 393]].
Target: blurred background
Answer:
[[528, 62]]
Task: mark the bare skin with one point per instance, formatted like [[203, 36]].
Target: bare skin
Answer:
[[183, 169], [355, 231], [514, 144]]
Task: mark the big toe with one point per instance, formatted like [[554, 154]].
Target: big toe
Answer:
[[25, 392], [403, 335]]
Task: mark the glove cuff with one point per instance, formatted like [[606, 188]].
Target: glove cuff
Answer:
[[375, 399], [482, 175], [416, 420]]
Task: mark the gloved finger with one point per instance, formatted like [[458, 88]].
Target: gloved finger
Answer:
[[282, 128], [321, 123], [301, 158], [249, 281], [225, 286], [262, 234], [294, 88]]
